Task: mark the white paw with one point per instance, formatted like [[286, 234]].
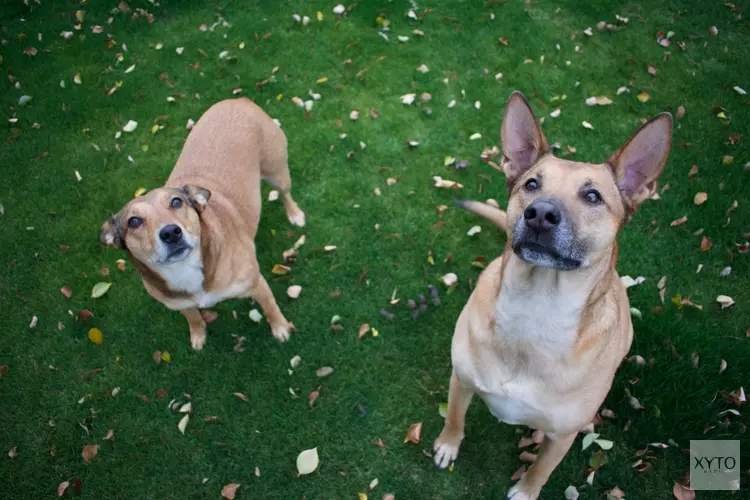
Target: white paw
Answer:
[[519, 492], [298, 219], [445, 453], [281, 332], [198, 341]]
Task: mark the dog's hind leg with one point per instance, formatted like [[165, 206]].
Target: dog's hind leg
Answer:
[[550, 456], [275, 170], [447, 444]]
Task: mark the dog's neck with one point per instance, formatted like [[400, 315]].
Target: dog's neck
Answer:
[[544, 307]]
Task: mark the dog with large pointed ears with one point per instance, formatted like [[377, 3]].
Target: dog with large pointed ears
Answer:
[[548, 324], [193, 240]]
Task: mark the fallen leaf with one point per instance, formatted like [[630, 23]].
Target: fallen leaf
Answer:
[[313, 397], [651, 70], [643, 97], [363, 329], [229, 491], [725, 301], [682, 493], [90, 451], [183, 423], [414, 434], [294, 291], [121, 264], [587, 125], [474, 230], [678, 222], [446, 184], [100, 289], [239, 395], [680, 112], [450, 279], [95, 336], [130, 126], [110, 435], [280, 269], [13, 453], [307, 461], [255, 316], [324, 371], [571, 493], [62, 487], [616, 493], [408, 98], [705, 244]]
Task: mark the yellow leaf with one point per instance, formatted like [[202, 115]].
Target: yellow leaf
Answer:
[[643, 97], [375, 332], [319, 15], [80, 15], [280, 269], [166, 357], [100, 289], [95, 336], [280, 97], [144, 147], [139, 192], [430, 259], [322, 79], [362, 496], [154, 129], [677, 300], [241, 45], [722, 115]]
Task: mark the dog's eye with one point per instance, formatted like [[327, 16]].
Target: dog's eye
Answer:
[[135, 222], [176, 203], [593, 197], [531, 185]]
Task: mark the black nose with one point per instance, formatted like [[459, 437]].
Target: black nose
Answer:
[[542, 216], [170, 234]]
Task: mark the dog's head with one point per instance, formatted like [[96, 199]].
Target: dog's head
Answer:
[[160, 227], [564, 214]]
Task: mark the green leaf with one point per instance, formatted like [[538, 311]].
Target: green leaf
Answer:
[[100, 289], [588, 439], [597, 460], [605, 444], [443, 410], [24, 100]]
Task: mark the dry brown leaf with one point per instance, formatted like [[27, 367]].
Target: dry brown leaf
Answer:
[[314, 396], [700, 198], [414, 434], [90, 451], [67, 292], [229, 491], [678, 222], [363, 329], [706, 244], [682, 493]]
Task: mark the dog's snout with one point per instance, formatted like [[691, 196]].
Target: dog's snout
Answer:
[[170, 234], [542, 215]]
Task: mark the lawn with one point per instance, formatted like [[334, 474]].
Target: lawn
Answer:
[[64, 171]]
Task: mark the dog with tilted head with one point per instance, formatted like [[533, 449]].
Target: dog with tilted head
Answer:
[[548, 324], [193, 240]]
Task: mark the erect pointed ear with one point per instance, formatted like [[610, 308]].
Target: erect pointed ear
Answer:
[[638, 164], [197, 196], [111, 233], [522, 138]]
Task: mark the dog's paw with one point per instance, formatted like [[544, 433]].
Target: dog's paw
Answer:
[[446, 452], [523, 491], [281, 332], [297, 218], [198, 341]]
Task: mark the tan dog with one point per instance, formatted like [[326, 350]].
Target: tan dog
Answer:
[[193, 240], [548, 323]]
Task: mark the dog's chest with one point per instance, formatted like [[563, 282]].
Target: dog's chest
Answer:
[[213, 297]]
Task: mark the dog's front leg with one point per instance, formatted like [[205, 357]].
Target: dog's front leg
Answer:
[[446, 445], [197, 327], [262, 294], [550, 455]]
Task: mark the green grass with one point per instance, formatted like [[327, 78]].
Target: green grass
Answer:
[[380, 385]]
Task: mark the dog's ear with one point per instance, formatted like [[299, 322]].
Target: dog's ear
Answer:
[[638, 164], [197, 196], [522, 138], [111, 233]]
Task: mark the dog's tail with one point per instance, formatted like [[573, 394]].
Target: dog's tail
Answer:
[[495, 215]]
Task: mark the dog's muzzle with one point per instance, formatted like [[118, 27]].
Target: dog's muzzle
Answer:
[[544, 236], [176, 246]]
